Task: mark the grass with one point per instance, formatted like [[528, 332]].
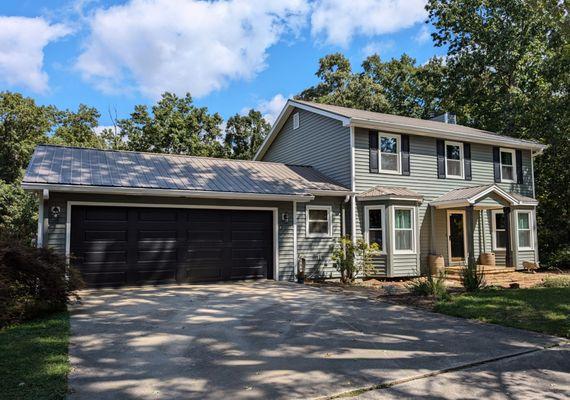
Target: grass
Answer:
[[33, 359], [540, 309]]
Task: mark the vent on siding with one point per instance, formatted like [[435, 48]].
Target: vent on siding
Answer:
[[295, 120]]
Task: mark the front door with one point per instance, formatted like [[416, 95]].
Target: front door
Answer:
[[456, 231]]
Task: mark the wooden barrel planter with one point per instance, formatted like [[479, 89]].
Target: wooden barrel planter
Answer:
[[487, 259], [436, 264]]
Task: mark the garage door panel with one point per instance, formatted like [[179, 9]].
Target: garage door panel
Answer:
[[158, 255], [157, 214], [107, 257], [112, 214], [157, 235], [105, 236], [206, 236]]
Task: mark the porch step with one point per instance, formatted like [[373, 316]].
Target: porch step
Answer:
[[494, 272]]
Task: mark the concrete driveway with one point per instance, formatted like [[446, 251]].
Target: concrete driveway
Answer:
[[267, 340]]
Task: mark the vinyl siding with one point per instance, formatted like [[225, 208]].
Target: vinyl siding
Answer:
[[320, 142], [423, 179]]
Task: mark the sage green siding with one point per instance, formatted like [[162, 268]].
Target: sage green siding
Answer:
[[423, 179], [320, 142]]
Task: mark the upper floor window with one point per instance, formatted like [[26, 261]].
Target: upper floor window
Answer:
[[389, 153], [296, 120], [374, 226], [524, 230], [454, 160], [319, 221], [499, 230], [508, 171]]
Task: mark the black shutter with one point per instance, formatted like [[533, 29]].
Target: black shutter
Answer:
[[405, 155], [519, 167], [373, 150], [440, 159], [497, 164], [467, 159]]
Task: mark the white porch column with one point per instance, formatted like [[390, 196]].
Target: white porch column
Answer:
[[353, 218], [295, 257]]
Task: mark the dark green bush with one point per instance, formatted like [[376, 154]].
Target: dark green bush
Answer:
[[33, 282], [472, 278], [429, 286]]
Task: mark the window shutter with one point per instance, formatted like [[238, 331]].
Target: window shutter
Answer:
[[467, 160], [373, 150], [497, 164], [519, 167], [440, 158], [405, 155]]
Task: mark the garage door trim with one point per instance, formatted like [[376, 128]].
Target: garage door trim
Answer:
[[275, 211]]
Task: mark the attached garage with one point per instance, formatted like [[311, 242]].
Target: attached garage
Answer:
[[114, 246]]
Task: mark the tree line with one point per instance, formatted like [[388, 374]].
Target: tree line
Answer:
[[506, 70]]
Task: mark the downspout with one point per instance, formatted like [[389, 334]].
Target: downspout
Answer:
[[352, 186], [40, 239], [45, 217]]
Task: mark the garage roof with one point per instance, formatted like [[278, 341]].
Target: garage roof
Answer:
[[73, 166]]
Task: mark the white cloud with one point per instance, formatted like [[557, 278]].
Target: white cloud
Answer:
[[272, 107], [340, 20], [153, 46], [423, 35], [22, 43], [379, 48]]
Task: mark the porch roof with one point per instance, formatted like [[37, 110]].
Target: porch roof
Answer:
[[389, 193], [475, 194]]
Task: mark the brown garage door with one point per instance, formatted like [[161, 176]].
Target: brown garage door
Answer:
[[114, 246]]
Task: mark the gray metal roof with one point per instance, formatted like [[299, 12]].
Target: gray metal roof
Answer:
[[386, 191], [473, 192], [125, 169]]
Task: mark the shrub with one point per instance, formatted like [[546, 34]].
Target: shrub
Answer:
[[33, 282], [429, 286], [351, 259], [472, 278], [560, 281]]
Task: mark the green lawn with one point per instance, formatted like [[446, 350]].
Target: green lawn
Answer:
[[33, 359], [545, 310]]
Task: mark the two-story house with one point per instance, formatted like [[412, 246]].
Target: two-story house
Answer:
[[415, 187]]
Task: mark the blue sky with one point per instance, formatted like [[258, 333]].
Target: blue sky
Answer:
[[230, 55]]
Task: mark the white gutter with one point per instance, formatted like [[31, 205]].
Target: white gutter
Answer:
[[166, 192]]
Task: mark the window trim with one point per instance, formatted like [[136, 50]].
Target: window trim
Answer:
[[398, 138], [494, 230], [413, 229], [296, 120], [530, 228], [461, 159], [367, 226], [328, 209], [513, 166]]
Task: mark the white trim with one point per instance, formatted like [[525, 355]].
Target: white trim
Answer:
[[398, 138], [389, 197], [296, 120], [473, 199], [414, 228], [367, 225], [530, 228], [449, 213], [352, 161], [353, 218], [328, 209], [295, 256], [40, 237], [166, 192], [494, 230], [532, 174], [335, 193], [275, 211], [514, 165], [461, 160]]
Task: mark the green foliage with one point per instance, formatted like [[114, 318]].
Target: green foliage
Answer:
[[472, 278], [353, 258], [244, 134], [429, 286], [33, 282], [18, 213], [78, 128], [558, 281]]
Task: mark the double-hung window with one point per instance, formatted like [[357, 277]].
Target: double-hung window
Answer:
[[508, 171], [374, 226], [454, 160], [319, 221], [404, 236], [499, 230], [389, 153], [524, 230]]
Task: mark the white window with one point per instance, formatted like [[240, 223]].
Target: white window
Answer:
[[454, 160], [389, 153], [403, 230], [524, 230], [374, 222], [319, 221], [499, 235], [296, 120], [508, 171]]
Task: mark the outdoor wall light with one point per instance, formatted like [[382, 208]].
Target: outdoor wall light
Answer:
[[55, 212], [285, 217]]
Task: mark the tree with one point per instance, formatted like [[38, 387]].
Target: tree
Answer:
[[244, 134], [78, 128], [23, 125], [175, 126], [18, 213]]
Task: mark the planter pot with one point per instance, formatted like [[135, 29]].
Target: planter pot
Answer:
[[487, 259], [301, 279], [436, 264]]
